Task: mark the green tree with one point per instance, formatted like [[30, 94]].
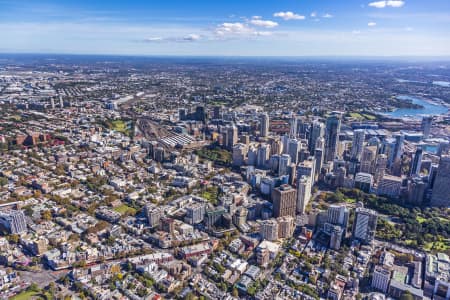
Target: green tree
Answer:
[[235, 293], [3, 181], [406, 295]]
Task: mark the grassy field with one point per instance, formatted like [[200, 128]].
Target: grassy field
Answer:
[[210, 194], [362, 117], [120, 126], [26, 295], [123, 209], [217, 155]]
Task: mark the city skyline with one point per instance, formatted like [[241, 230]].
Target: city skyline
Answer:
[[227, 28]]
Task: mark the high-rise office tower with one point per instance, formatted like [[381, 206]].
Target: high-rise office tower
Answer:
[[293, 150], [427, 122], [303, 129], [336, 236], [263, 155], [293, 127], [284, 199], [232, 136], [338, 215], [216, 112], [358, 144], [365, 225], [398, 149], [316, 132], [303, 193], [443, 148], [318, 155], [320, 143], [416, 191], [441, 188], [274, 163], [285, 142], [416, 162], [368, 158], [239, 154], [307, 168], [264, 123], [240, 216], [388, 148], [380, 167], [332, 130], [276, 146], [285, 162], [252, 156]]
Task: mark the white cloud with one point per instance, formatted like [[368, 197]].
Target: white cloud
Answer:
[[388, 3], [188, 38], [263, 23], [154, 39], [263, 33], [371, 24], [192, 37], [288, 15], [327, 16], [233, 29], [313, 14], [356, 32]]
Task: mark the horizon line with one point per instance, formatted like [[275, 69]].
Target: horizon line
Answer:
[[390, 57]]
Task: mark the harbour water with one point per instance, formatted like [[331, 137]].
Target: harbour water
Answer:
[[429, 108]]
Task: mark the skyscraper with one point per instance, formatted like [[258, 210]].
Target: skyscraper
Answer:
[[262, 155], [303, 193], [398, 149], [441, 188], [365, 225], [316, 132], [368, 157], [307, 168], [358, 144], [239, 154], [285, 161], [318, 155], [416, 162], [332, 130], [232, 136], [380, 167], [293, 127], [427, 122], [293, 149], [338, 215], [264, 123], [284, 200]]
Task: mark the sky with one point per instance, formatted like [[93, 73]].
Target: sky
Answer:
[[227, 27]]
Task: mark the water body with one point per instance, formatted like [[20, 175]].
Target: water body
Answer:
[[442, 83], [429, 108]]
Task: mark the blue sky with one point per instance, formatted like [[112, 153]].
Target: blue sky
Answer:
[[228, 27]]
